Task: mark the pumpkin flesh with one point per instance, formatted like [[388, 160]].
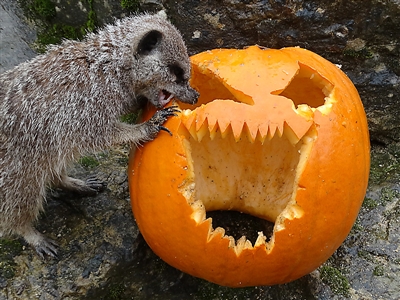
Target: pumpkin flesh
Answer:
[[275, 145]]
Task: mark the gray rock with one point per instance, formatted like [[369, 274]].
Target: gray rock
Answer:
[[15, 36]]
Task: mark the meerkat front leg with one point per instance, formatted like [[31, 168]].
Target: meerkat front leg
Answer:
[[137, 134], [91, 186], [146, 131]]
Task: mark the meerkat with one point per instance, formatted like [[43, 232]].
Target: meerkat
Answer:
[[68, 101]]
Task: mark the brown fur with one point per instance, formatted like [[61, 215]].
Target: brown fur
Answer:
[[68, 102]]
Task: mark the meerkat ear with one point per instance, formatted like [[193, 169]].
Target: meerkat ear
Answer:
[[149, 42]]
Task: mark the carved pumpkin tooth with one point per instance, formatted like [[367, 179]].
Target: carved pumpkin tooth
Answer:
[[217, 233], [213, 130], [261, 137], [192, 129], [242, 244], [231, 241], [262, 132], [202, 131], [224, 130], [251, 133], [261, 239], [290, 135], [237, 129], [188, 121], [271, 131], [248, 245], [279, 129], [212, 122], [201, 116]]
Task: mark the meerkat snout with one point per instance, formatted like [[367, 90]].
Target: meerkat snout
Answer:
[[68, 102]]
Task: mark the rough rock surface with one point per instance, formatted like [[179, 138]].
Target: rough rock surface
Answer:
[[15, 36], [103, 256]]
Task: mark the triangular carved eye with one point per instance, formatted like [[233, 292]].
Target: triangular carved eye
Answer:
[[307, 87]]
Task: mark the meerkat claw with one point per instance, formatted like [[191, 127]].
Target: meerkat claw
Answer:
[[174, 109], [166, 129], [96, 184], [47, 247]]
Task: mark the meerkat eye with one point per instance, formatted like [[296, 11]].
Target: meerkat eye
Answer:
[[178, 72]]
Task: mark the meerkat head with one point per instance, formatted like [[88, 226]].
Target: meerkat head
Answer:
[[161, 63]]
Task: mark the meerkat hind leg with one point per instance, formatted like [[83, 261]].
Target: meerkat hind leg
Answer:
[[42, 244]]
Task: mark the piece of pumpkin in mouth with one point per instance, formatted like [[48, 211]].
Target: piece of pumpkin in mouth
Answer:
[[251, 166]]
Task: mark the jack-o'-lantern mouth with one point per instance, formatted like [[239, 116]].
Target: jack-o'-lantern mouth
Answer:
[[251, 164]]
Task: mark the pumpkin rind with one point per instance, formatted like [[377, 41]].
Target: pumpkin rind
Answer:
[[329, 188]]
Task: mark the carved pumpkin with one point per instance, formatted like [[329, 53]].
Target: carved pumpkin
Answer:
[[278, 134]]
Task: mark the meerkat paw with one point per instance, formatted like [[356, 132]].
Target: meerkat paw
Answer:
[[160, 117], [91, 186], [46, 247], [95, 184], [42, 245]]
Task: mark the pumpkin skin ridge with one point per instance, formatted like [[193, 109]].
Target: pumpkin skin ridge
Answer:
[[319, 118], [293, 271]]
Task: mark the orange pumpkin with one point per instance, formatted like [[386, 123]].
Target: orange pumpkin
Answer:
[[278, 134]]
